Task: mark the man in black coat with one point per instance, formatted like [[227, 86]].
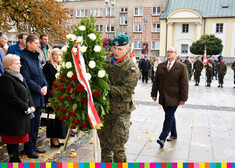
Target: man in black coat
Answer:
[[144, 68], [33, 74]]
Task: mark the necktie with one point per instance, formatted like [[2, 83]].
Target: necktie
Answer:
[[169, 66]]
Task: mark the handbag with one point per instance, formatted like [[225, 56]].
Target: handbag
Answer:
[[47, 117]]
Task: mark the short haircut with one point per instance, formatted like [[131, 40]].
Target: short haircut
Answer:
[[9, 59], [22, 34], [42, 35], [31, 38]]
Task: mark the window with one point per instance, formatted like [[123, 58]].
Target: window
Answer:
[[137, 44], [123, 33], [110, 11], [156, 11], [82, 13], [155, 27], [123, 20], [155, 45], [99, 28], [219, 27], [110, 28], [71, 14], [123, 10], [138, 27], [97, 12], [185, 28], [138, 12], [184, 48]]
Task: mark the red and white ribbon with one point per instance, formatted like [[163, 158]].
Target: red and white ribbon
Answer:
[[80, 68], [205, 57], [132, 55]]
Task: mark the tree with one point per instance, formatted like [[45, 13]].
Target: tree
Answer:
[[213, 45], [35, 16]]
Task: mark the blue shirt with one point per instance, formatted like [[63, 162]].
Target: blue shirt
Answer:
[[2, 55], [15, 49]]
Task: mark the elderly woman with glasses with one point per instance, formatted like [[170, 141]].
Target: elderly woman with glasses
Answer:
[[16, 107]]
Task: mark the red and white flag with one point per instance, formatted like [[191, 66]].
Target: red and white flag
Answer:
[[132, 55], [80, 68], [205, 58]]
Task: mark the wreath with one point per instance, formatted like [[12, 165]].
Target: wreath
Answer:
[[144, 49]]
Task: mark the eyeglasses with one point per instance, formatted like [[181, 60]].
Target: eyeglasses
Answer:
[[171, 52]]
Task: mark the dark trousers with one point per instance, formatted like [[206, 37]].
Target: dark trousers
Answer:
[[30, 146], [13, 152], [145, 76], [169, 124]]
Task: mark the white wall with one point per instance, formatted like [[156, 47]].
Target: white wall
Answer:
[[222, 36], [233, 41]]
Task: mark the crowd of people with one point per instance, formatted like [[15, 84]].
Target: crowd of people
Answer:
[[216, 69], [27, 72]]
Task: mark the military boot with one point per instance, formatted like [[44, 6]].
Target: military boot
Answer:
[[219, 85]]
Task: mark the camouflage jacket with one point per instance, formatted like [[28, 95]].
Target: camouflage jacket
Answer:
[[188, 65], [123, 78], [222, 68], [198, 66], [210, 66]]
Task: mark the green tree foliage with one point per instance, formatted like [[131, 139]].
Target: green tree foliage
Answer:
[[213, 45], [35, 16]]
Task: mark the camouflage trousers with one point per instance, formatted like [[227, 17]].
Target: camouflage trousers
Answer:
[[209, 76], [113, 136], [197, 75], [221, 78]]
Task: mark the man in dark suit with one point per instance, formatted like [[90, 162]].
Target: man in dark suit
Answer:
[[172, 83]]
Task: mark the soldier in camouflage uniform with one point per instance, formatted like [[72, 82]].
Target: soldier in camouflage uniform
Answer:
[[123, 77], [189, 67], [221, 69], [197, 69], [210, 67], [233, 68]]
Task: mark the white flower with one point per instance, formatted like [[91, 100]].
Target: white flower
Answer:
[[101, 73], [72, 37], [57, 75], [92, 64], [60, 59], [88, 76], [69, 74], [82, 28], [75, 50], [79, 39], [63, 64], [68, 65], [83, 48], [64, 49], [97, 48], [92, 36], [58, 68]]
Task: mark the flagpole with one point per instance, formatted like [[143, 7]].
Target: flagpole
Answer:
[[205, 62]]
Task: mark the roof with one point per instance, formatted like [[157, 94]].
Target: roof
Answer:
[[206, 8]]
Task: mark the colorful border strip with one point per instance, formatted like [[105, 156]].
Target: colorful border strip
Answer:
[[118, 165]]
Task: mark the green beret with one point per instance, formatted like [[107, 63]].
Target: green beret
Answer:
[[222, 57], [186, 56], [209, 56], [120, 40], [198, 57]]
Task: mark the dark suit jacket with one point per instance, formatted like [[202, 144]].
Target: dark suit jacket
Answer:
[[32, 71], [173, 85], [15, 99]]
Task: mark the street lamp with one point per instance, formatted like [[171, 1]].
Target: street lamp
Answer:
[[109, 10]]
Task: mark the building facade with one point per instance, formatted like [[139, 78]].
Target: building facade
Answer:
[[185, 21], [139, 19]]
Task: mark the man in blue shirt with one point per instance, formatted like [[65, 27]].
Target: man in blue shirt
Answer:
[[3, 42], [19, 46]]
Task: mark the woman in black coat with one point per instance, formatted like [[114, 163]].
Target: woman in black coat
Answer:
[[16, 106], [59, 130]]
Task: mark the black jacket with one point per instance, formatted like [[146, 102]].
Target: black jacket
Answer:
[[14, 101], [145, 65]]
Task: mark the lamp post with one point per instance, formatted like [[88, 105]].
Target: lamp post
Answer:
[[145, 25], [108, 7]]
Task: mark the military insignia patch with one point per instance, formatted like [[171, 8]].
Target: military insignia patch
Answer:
[[116, 43], [133, 68]]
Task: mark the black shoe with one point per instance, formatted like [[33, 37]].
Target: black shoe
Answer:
[[171, 138], [218, 86], [61, 144], [39, 150], [55, 146], [221, 86], [32, 155], [161, 143]]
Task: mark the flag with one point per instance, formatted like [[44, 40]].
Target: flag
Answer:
[[205, 58], [80, 68], [132, 55]]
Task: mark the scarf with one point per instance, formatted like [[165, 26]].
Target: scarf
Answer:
[[17, 75]]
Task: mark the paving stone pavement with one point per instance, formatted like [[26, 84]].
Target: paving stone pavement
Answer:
[[205, 125]]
